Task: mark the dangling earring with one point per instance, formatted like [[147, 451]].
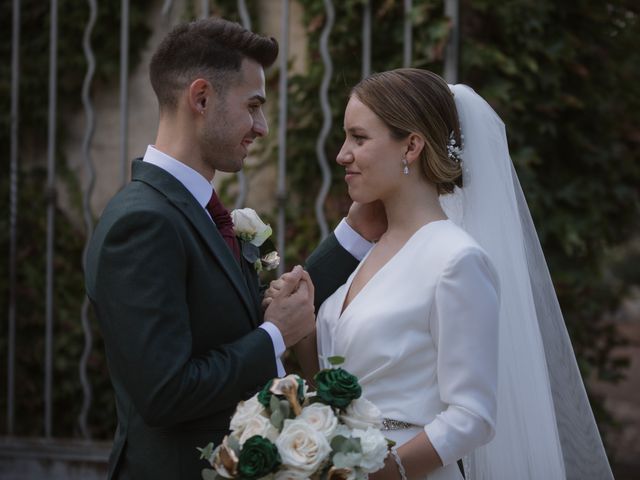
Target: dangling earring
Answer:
[[405, 166]]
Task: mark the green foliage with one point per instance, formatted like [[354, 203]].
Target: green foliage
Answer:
[[68, 293], [562, 76]]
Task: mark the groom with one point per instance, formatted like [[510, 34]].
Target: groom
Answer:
[[177, 305]]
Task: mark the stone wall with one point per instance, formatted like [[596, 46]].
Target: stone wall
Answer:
[[31, 459]]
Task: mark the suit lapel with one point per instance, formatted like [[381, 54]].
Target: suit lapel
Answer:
[[251, 278], [179, 196]]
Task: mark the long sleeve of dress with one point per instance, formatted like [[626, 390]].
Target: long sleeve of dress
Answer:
[[464, 325]]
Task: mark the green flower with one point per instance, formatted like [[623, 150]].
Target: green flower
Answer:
[[264, 397], [258, 458], [337, 387]]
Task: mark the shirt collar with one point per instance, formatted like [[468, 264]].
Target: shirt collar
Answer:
[[197, 185]]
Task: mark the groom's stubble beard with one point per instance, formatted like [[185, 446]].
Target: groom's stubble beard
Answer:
[[218, 148]]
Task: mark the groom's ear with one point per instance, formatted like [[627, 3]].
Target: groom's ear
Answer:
[[199, 96], [415, 145]]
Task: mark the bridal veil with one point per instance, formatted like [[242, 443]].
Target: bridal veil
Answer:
[[545, 427]]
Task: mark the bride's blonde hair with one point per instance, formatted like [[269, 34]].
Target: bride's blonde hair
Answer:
[[410, 100]]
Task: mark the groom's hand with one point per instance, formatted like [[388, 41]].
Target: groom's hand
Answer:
[[368, 219], [290, 307], [275, 286]]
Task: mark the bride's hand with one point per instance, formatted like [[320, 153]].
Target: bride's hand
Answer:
[[271, 292], [275, 287], [388, 472]]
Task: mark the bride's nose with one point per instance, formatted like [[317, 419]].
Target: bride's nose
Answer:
[[344, 155]]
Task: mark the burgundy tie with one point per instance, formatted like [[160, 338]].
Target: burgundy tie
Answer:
[[224, 223]]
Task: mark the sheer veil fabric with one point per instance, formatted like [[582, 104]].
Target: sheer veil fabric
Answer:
[[545, 427]]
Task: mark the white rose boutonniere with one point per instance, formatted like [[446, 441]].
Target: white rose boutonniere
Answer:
[[248, 226], [253, 233]]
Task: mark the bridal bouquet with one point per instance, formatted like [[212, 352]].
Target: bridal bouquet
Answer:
[[288, 432]]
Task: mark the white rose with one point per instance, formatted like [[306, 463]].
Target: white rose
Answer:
[[246, 411], [374, 448], [320, 417], [259, 425], [301, 446], [362, 414], [248, 226]]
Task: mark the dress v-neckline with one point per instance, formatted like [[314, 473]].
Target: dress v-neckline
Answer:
[[343, 308]]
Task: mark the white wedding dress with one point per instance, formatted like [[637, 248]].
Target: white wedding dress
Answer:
[[422, 337]]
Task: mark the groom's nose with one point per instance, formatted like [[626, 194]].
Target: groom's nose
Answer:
[[260, 125]]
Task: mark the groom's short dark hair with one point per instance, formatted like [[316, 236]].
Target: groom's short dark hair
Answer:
[[211, 48]]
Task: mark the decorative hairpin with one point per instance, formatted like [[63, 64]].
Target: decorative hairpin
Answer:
[[454, 151]]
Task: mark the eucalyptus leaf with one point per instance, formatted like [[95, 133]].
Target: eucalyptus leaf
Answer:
[[208, 474], [277, 419], [274, 403], [347, 460], [285, 409], [336, 360], [342, 444], [233, 443], [205, 453], [250, 252]]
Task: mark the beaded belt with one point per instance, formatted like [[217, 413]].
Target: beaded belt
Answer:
[[390, 424]]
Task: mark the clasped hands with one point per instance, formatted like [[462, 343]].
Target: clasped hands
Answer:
[[288, 304], [289, 300]]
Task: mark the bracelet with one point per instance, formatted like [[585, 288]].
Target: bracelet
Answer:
[[396, 457]]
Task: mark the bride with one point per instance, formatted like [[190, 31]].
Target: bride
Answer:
[[450, 321]]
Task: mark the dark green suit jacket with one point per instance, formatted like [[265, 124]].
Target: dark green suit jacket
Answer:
[[179, 317]]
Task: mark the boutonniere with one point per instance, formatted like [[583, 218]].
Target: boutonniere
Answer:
[[253, 233]]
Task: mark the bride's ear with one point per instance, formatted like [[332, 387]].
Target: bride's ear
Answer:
[[414, 146]]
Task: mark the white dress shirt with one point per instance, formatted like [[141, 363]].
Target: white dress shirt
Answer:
[[202, 189]]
